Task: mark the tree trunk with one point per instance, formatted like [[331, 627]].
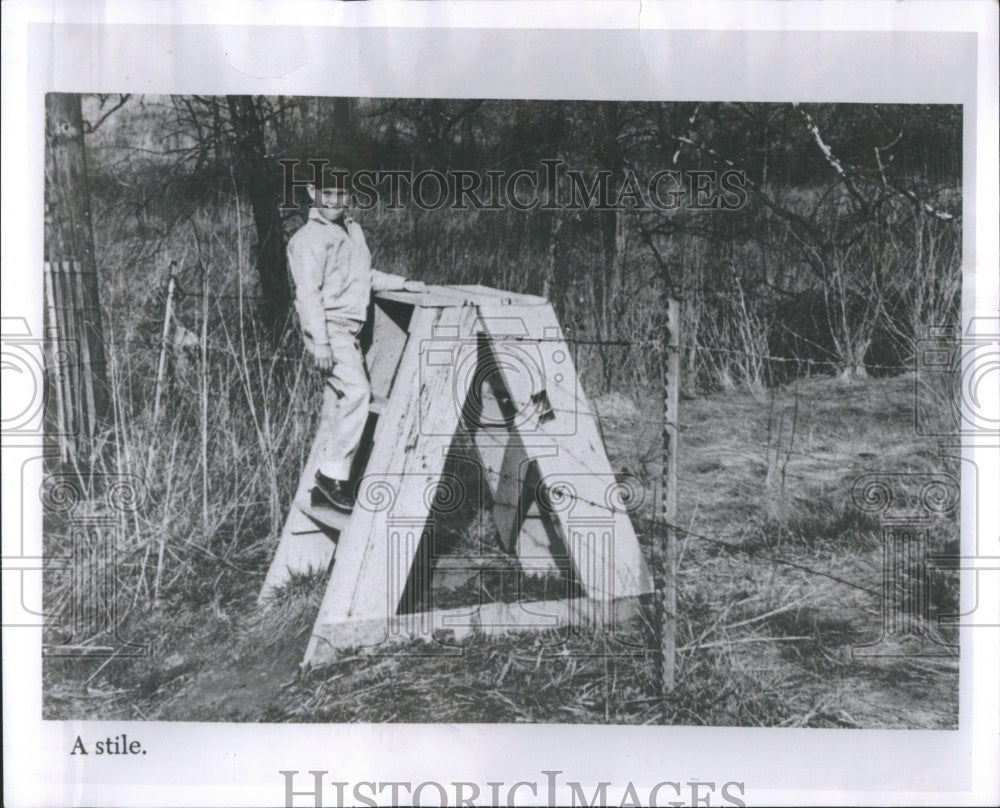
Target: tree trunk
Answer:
[[256, 176], [342, 146], [852, 374]]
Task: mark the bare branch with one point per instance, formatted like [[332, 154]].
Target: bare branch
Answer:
[[92, 127], [852, 188], [831, 158]]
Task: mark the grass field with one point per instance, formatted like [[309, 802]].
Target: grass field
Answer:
[[780, 576]]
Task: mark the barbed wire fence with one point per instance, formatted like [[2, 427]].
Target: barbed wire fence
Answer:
[[662, 528], [804, 366], [665, 537]]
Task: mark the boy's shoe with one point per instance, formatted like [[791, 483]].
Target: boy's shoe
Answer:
[[330, 493]]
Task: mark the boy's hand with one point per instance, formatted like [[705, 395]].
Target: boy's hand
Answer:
[[323, 357], [414, 286]]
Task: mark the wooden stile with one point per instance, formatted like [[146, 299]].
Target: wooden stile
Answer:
[[493, 367]]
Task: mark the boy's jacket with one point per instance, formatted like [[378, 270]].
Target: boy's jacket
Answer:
[[332, 271]]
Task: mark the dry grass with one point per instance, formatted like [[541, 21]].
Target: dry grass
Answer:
[[777, 584]]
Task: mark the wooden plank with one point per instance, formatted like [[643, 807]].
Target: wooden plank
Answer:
[[88, 403], [411, 442], [93, 327], [458, 295], [303, 545], [521, 528], [323, 516], [535, 547], [446, 626], [69, 336], [304, 548], [599, 536], [308, 553], [425, 300], [513, 494], [56, 380], [388, 342], [488, 295], [461, 295], [64, 310], [485, 419]]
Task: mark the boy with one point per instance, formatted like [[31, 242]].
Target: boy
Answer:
[[331, 269]]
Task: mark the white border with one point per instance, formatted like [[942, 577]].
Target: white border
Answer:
[[710, 51]]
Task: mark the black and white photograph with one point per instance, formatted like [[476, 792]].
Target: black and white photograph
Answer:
[[351, 412], [598, 409]]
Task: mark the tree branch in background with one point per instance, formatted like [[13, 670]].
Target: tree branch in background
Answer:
[[91, 127], [848, 181], [831, 158]]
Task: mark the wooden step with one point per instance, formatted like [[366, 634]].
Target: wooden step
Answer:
[[323, 516]]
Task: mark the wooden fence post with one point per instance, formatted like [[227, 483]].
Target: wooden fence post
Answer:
[[161, 368], [671, 389]]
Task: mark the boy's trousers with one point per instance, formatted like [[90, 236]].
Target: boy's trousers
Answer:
[[346, 393]]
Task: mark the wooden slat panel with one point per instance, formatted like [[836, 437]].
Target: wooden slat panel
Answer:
[[69, 334], [411, 443], [57, 382], [95, 359], [87, 401], [600, 538]]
